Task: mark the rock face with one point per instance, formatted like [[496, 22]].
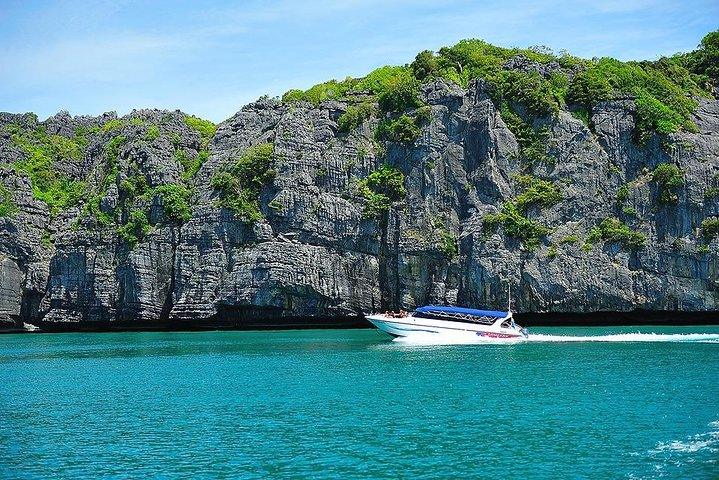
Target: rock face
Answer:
[[315, 255]]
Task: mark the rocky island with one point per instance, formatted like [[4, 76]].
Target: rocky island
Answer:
[[590, 185]]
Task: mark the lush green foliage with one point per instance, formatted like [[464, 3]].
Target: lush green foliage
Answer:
[[569, 239], [630, 211], [42, 153], [331, 90], [191, 164], [532, 143], [92, 207], [613, 230], [712, 192], [400, 94], [112, 125], [425, 64], [663, 89], [205, 128], [538, 95], [153, 132], [134, 186], [381, 79], [175, 201], [622, 194], [395, 88], [113, 147], [515, 225], [660, 90], [355, 115], [589, 88], [7, 206], [710, 227], [240, 184], [704, 60], [380, 189], [668, 178], [536, 192], [471, 59], [448, 243], [402, 129], [135, 229], [582, 114], [512, 216]]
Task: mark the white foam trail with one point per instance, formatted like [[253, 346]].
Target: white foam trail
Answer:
[[708, 441], [630, 337], [464, 339]]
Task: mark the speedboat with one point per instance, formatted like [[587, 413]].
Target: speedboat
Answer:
[[466, 323]]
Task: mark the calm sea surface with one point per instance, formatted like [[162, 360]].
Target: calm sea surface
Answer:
[[351, 403]]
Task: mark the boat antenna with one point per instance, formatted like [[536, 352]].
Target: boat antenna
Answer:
[[509, 296]]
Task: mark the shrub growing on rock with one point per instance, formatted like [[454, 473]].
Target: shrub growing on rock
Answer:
[[532, 142], [613, 230], [401, 93], [240, 183], [354, 116], [331, 90], [153, 132], [380, 189], [668, 178], [512, 216], [705, 59], [205, 128], [515, 225], [135, 229], [43, 151], [175, 201], [403, 129], [710, 227], [589, 88], [536, 192], [7, 206]]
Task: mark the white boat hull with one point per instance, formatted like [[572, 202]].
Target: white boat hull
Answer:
[[410, 325]]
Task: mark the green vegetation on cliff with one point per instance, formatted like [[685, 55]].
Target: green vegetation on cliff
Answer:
[[669, 178], [380, 189], [535, 82], [175, 201], [205, 128], [239, 184], [355, 115], [403, 129], [136, 227], [613, 230], [710, 227], [512, 216], [43, 154], [7, 206]]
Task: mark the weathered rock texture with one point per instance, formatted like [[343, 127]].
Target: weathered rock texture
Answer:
[[316, 256]]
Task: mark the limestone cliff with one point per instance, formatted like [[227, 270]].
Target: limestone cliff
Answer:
[[594, 221]]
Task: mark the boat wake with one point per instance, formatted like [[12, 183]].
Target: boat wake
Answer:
[[630, 337], [708, 441], [696, 452], [433, 339]]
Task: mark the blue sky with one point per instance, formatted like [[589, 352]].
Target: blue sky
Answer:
[[210, 58]]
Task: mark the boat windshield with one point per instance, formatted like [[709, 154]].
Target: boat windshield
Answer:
[[455, 317]]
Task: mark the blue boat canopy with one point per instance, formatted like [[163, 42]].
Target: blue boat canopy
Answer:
[[463, 311]]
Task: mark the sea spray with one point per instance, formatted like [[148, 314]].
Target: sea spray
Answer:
[[435, 339]]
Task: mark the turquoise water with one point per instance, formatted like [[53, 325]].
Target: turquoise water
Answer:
[[351, 403]]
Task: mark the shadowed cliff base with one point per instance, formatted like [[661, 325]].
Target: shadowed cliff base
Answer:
[[274, 322]]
